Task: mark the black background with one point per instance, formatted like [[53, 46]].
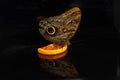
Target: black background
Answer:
[[94, 50]]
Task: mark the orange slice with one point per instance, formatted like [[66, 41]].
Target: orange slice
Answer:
[[52, 49], [51, 57]]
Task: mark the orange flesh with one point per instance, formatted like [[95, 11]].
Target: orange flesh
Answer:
[[52, 47]]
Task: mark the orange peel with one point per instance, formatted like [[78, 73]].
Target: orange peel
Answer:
[[52, 49], [51, 57]]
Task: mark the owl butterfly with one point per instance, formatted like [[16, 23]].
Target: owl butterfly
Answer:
[[60, 29]]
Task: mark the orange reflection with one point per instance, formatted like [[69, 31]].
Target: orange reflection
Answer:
[[56, 56]]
